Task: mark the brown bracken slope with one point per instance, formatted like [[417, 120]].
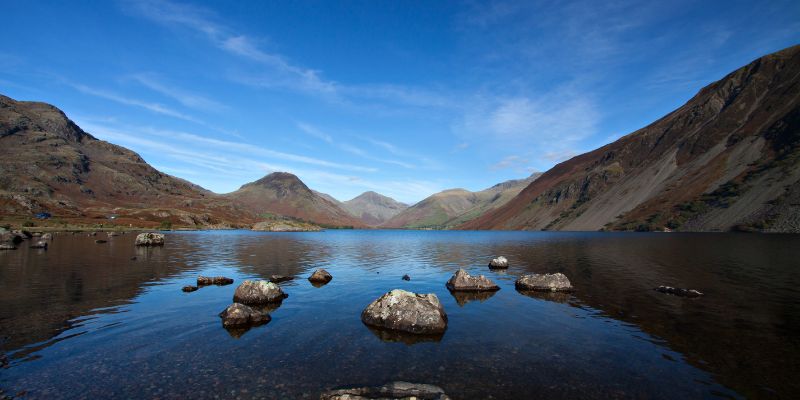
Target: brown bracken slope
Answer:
[[728, 159], [49, 164]]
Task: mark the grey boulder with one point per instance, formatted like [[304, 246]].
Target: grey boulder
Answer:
[[258, 292], [405, 311], [150, 239], [463, 281], [557, 282], [239, 315]]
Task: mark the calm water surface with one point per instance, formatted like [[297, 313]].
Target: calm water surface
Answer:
[[83, 320]]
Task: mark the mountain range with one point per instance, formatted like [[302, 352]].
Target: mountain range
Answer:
[[726, 160]]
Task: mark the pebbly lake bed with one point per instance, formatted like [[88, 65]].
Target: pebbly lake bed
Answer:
[[86, 320]]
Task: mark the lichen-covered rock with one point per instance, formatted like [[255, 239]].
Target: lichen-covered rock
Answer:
[[390, 391], [498, 263], [557, 282], [216, 280], [189, 288], [258, 292], [39, 245], [150, 239], [320, 276], [679, 291], [239, 315], [463, 281], [408, 312]]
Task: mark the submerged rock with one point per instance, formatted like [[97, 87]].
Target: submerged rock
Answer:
[[557, 282], [150, 239], [406, 277], [258, 292], [320, 276], [280, 278], [389, 391], [498, 263], [100, 241], [112, 234], [463, 281], [189, 288], [39, 245], [408, 312], [7, 246], [216, 280], [679, 291], [239, 315]]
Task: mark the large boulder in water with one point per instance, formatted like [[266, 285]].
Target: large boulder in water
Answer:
[[407, 312], [463, 281], [390, 391], [239, 315], [499, 263], [150, 239], [258, 292], [557, 282]]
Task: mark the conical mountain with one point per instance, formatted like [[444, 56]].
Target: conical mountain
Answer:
[[282, 193], [373, 208]]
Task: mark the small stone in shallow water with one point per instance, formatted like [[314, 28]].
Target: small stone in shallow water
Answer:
[[280, 278], [39, 245], [498, 263], [189, 288], [320, 276], [133, 258], [100, 241], [216, 280], [406, 277], [557, 282], [679, 291]]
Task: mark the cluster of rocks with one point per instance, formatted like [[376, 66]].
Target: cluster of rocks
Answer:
[[393, 390], [9, 239]]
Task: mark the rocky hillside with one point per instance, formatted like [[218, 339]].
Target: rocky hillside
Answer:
[[373, 209], [728, 159], [49, 164], [452, 207], [281, 193]]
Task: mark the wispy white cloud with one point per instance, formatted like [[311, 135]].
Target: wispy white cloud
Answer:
[[150, 106], [313, 131], [191, 100]]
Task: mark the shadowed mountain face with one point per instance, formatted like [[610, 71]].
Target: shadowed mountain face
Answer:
[[47, 163], [727, 159], [452, 207], [282, 193], [372, 208]]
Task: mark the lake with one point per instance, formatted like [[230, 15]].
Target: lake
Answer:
[[84, 320]]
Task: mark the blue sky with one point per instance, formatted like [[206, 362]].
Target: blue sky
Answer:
[[403, 98]]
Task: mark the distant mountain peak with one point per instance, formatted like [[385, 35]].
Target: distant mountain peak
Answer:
[[373, 208]]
